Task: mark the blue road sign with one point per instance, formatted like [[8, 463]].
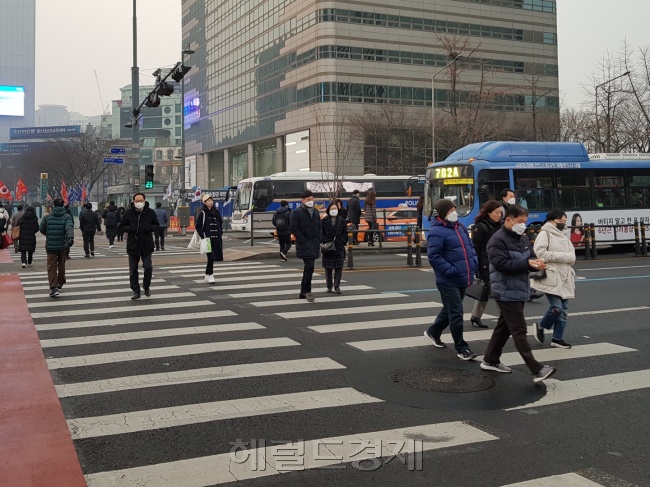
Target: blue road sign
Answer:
[[118, 150], [113, 160]]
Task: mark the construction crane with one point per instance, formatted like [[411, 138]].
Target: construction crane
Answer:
[[101, 99]]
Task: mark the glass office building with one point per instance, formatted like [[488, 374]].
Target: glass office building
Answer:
[[271, 78]]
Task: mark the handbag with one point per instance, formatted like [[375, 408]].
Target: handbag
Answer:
[[195, 243], [537, 275], [478, 290], [206, 246], [6, 241], [15, 232], [327, 246]]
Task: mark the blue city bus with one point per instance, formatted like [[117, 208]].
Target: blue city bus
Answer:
[[604, 189], [264, 193]]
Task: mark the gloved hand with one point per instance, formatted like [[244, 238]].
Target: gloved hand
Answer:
[[70, 243]]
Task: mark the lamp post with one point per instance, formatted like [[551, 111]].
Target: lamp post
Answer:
[[433, 107], [627, 73], [135, 100], [186, 52]]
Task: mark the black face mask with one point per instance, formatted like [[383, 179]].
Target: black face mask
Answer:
[[561, 226]]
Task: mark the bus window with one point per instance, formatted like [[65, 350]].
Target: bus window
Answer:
[[491, 182], [390, 188], [243, 196], [573, 189], [638, 181], [609, 188], [455, 183], [285, 190], [534, 189], [262, 195]]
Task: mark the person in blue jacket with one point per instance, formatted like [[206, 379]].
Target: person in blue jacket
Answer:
[[452, 256]]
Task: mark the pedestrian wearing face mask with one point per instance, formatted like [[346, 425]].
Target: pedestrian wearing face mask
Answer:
[[209, 224], [511, 259], [335, 231], [452, 256], [306, 227], [555, 247], [507, 199], [139, 221]]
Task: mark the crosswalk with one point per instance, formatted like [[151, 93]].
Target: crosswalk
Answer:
[[194, 370]]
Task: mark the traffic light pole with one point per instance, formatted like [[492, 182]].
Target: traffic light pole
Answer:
[[135, 101]]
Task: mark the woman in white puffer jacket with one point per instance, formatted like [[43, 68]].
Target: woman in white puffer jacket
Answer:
[[554, 246]]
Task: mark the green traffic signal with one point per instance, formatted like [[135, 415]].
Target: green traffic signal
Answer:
[[148, 185]]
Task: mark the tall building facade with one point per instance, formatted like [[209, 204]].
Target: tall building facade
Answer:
[[17, 65], [274, 82]]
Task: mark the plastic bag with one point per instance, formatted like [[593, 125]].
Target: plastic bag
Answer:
[[206, 246]]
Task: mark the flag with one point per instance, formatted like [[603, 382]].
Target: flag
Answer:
[[73, 194], [21, 189], [197, 194], [4, 192], [168, 192], [64, 192], [84, 193]]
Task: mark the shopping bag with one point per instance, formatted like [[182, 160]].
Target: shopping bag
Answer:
[[478, 290], [195, 243], [206, 246], [6, 241]]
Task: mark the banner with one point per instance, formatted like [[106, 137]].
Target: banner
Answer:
[[168, 192], [64, 192], [45, 132], [5, 194], [21, 189]]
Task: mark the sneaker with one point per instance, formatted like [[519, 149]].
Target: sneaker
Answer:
[[337, 290], [466, 355], [310, 297], [539, 333], [496, 367], [560, 344], [283, 256], [54, 292], [436, 341], [93, 254], [111, 246], [544, 374], [329, 290], [210, 279], [24, 265], [162, 248], [206, 278], [87, 256]]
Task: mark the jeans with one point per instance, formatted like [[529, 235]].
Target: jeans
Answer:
[[56, 267], [556, 316], [338, 273], [159, 236], [134, 278], [307, 273], [511, 322], [451, 315], [285, 243], [89, 242]]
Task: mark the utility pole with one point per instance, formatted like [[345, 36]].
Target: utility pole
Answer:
[[135, 100]]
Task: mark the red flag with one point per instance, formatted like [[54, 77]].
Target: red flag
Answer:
[[83, 192], [4, 192], [21, 189], [64, 192]]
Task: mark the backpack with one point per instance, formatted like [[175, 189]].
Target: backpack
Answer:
[[111, 219], [281, 223]]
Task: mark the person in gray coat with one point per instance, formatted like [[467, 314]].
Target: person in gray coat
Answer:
[[354, 214], [306, 227], [163, 223]]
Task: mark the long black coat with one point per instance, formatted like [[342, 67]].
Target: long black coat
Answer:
[[111, 219], [209, 224], [334, 229], [481, 235], [139, 225], [307, 230], [28, 230], [354, 210]]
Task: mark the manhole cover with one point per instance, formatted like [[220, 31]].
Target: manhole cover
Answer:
[[442, 380]]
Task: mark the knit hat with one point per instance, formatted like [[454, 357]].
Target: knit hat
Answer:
[[205, 197], [443, 207]]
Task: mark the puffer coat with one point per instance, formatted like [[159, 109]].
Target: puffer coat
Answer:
[[28, 229], [451, 253], [558, 252], [509, 254], [307, 230], [335, 229]]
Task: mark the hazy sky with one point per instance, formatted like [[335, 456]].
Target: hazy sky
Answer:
[[74, 38]]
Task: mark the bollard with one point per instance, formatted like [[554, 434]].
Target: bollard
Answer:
[[587, 241], [644, 243], [351, 235], [418, 247], [637, 240], [409, 250], [594, 252]]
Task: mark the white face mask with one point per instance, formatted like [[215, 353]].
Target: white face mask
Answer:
[[452, 216], [334, 212], [139, 206], [511, 201], [519, 228], [309, 204]]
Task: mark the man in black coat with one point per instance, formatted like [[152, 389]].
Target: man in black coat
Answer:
[[139, 221], [306, 227], [354, 214], [282, 223], [89, 223]]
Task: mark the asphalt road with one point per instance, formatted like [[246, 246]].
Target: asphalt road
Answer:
[[158, 391]]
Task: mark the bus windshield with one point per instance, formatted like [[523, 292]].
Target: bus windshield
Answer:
[[243, 196], [455, 183]]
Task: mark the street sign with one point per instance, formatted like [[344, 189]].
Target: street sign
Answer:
[[118, 150], [113, 160]]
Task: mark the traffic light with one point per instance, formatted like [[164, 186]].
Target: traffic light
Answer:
[[152, 100], [180, 72], [165, 89], [148, 176]]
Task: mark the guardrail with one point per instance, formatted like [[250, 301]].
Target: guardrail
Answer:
[[413, 244]]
